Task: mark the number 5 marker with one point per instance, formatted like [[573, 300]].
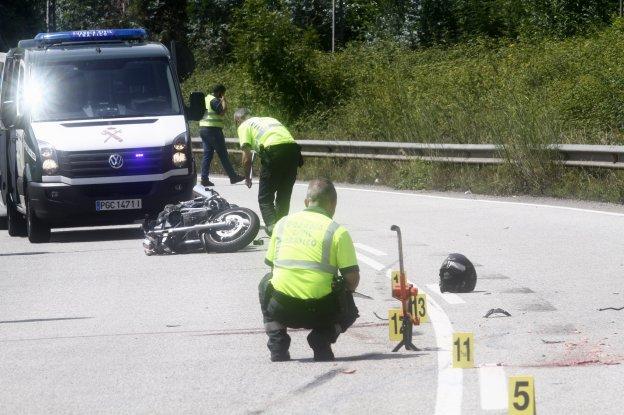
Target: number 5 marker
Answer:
[[521, 395]]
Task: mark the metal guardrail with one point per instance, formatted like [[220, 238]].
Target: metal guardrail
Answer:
[[579, 155]]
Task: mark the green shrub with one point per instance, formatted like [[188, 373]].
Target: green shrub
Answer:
[[523, 96]]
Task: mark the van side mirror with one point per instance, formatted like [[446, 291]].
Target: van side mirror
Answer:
[[9, 114], [197, 107]]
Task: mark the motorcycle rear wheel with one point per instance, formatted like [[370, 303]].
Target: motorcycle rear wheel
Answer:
[[246, 225]]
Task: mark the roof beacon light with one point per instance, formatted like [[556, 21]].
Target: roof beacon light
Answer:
[[92, 35]]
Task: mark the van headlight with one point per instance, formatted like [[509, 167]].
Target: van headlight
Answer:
[[49, 161], [179, 159], [180, 145]]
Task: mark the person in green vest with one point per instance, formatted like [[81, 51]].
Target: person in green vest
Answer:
[[280, 157], [314, 272], [211, 133]]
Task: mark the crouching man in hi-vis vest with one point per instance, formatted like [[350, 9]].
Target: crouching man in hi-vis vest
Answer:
[[307, 252]]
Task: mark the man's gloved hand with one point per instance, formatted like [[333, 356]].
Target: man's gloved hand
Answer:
[[338, 284]]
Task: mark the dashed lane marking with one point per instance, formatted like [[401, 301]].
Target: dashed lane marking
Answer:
[[493, 388], [377, 266], [448, 297], [369, 249]]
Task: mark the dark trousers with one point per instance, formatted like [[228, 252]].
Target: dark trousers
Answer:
[[214, 140], [326, 317], [277, 178]]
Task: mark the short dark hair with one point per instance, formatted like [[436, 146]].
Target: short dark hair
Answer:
[[321, 192], [218, 89]]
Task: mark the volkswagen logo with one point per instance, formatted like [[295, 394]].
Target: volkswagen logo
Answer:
[[115, 161]]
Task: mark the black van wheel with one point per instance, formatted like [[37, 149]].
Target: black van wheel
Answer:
[[16, 225], [38, 231], [4, 222]]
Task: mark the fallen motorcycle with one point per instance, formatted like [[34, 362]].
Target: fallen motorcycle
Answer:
[[209, 223]]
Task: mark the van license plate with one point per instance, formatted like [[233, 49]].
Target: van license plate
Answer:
[[122, 204]]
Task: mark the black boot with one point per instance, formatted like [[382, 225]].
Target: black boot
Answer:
[[236, 179], [206, 183], [321, 346], [278, 344], [280, 357]]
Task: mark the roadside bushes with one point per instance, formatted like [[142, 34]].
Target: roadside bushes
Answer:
[[280, 58], [524, 96]]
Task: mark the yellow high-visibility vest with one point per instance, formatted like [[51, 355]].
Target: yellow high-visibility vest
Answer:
[[306, 251], [211, 118], [263, 131]]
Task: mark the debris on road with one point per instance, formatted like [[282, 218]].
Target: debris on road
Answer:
[[360, 295], [611, 308], [552, 341], [348, 371], [380, 318], [496, 311]]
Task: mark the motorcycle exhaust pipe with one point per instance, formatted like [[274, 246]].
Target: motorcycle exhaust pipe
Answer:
[[203, 227]]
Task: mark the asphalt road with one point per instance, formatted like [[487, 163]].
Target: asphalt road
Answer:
[[89, 324]]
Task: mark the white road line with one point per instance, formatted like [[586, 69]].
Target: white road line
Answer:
[[450, 380], [496, 202], [448, 297], [369, 249], [493, 387], [377, 266]]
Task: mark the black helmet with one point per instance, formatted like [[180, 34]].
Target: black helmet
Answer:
[[457, 274]]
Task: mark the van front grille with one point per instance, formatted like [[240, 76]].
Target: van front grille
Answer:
[[138, 161]]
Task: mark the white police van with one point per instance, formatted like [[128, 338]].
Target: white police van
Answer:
[[95, 130]]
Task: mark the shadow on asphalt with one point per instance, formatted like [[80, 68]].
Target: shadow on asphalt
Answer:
[[24, 253], [368, 356], [38, 320], [96, 235]]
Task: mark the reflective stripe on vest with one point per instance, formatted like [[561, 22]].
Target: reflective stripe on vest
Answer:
[[323, 266], [262, 130], [211, 118]]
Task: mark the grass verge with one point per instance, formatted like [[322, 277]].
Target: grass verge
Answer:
[[603, 185]]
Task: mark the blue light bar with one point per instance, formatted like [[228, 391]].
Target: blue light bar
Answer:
[[91, 35]]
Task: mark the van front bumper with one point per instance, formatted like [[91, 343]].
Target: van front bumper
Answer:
[[63, 205]]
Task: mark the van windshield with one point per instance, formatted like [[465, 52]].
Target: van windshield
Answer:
[[60, 91]]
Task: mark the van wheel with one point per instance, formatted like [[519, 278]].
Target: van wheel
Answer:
[[4, 221], [38, 231], [16, 225]]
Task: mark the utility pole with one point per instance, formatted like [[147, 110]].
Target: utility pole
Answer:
[[50, 15], [334, 24]]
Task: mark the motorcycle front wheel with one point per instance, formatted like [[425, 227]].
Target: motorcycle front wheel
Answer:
[[245, 225]]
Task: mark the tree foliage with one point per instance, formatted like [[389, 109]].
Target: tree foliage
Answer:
[[20, 19], [276, 53], [207, 24], [89, 14]]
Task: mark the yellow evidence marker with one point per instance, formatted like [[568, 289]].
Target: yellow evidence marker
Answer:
[[420, 308], [394, 324], [463, 350], [521, 395], [395, 280]]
